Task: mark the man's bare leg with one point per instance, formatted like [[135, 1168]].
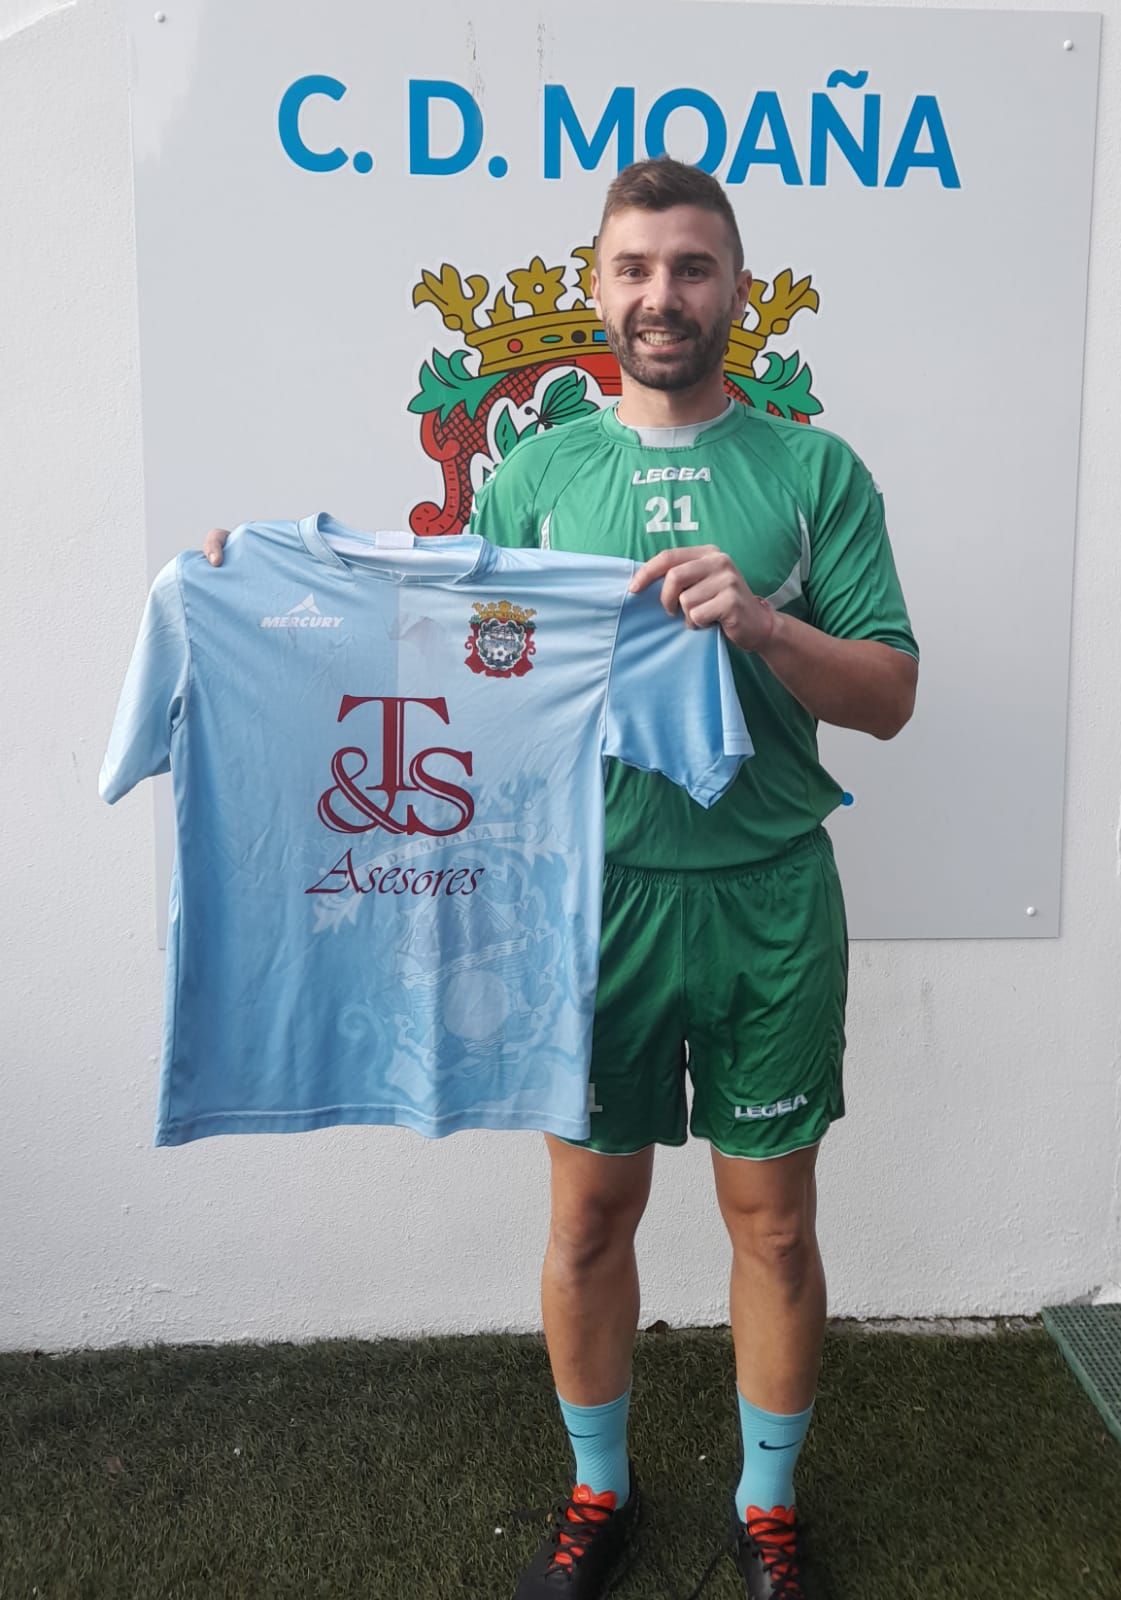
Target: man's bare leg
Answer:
[[778, 1325], [778, 1317], [778, 1282], [590, 1301], [589, 1282]]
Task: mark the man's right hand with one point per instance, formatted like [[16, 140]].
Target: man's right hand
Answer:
[[213, 543]]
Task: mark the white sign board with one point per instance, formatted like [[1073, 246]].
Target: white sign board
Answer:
[[363, 238]]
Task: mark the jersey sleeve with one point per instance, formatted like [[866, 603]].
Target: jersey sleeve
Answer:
[[853, 589], [503, 510], [672, 705], [154, 697]]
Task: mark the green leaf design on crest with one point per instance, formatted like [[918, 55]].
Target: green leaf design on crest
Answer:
[[446, 383], [564, 400], [506, 434], [784, 385]]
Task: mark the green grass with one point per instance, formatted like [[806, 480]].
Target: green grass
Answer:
[[937, 1469]]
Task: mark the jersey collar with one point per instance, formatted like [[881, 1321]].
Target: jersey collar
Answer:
[[687, 438], [452, 558]]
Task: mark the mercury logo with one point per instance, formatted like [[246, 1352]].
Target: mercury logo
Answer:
[[781, 1108], [305, 615]]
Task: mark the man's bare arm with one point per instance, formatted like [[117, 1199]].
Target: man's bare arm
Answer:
[[853, 683]]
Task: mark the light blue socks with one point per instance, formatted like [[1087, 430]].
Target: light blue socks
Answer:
[[770, 1450], [599, 1443], [771, 1445]]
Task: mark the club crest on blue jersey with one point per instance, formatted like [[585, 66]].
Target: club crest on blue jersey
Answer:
[[500, 641]]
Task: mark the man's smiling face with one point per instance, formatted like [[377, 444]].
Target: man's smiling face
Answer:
[[666, 286]]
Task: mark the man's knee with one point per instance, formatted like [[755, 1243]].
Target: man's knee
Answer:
[[770, 1211], [584, 1230], [783, 1246], [776, 1234], [597, 1205]]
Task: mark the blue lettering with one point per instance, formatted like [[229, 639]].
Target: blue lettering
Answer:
[[827, 123], [924, 114], [288, 123], [716, 128], [765, 112], [560, 117], [851, 80], [422, 92]]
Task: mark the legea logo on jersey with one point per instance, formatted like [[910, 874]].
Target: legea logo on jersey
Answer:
[[536, 355], [500, 642], [306, 614], [349, 806], [673, 475]]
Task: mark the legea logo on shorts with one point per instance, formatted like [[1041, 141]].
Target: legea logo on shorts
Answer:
[[781, 1108]]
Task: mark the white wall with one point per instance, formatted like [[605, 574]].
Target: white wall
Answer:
[[978, 1170]]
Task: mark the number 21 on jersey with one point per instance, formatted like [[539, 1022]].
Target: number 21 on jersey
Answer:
[[658, 519]]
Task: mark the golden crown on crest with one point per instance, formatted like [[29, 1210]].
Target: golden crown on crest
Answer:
[[501, 611], [510, 337]]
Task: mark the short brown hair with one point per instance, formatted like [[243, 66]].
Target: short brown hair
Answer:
[[658, 184]]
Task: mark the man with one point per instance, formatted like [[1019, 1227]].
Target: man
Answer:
[[724, 948]]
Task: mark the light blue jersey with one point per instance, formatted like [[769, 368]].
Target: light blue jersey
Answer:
[[387, 759]]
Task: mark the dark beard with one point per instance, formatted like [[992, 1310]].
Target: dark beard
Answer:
[[704, 356]]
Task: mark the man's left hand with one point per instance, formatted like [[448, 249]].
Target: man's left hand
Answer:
[[709, 590]]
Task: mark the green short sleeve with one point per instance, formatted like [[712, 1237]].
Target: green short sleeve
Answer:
[[853, 589]]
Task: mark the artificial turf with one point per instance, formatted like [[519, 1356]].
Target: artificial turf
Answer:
[[937, 1469]]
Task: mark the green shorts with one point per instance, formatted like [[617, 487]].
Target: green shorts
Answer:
[[737, 978]]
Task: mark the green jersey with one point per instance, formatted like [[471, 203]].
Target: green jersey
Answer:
[[800, 516]]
